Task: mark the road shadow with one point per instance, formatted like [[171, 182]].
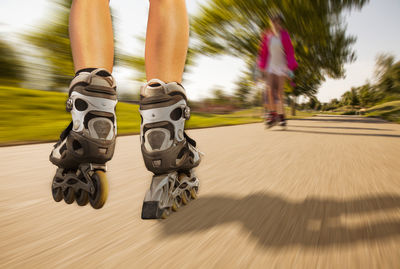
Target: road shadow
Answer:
[[277, 222], [339, 127], [338, 118], [339, 133]]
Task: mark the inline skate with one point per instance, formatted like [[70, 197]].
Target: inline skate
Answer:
[[88, 142], [282, 121], [167, 150], [271, 119]]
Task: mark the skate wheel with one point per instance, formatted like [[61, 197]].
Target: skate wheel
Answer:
[[57, 194], [82, 198], [175, 205], [99, 197], [69, 196], [166, 213], [193, 193], [186, 197], [178, 200]]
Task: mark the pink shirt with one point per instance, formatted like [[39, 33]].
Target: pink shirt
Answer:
[[263, 53]]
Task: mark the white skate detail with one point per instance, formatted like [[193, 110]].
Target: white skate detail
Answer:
[[155, 81], [196, 154], [147, 90], [163, 188], [56, 151], [167, 142], [94, 104], [92, 130], [91, 79], [163, 114]]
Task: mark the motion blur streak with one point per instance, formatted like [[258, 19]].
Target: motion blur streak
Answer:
[[323, 194]]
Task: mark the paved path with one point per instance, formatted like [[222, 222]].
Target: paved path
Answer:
[[323, 194]]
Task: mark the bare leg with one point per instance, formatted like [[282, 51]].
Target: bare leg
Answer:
[[166, 40], [91, 34], [265, 97], [271, 81], [281, 83]]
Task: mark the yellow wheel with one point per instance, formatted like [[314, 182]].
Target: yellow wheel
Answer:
[[186, 197], [99, 197], [166, 213], [175, 206], [193, 193]]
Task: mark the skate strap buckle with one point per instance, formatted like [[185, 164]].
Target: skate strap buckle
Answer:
[[69, 104], [98, 167], [186, 112]]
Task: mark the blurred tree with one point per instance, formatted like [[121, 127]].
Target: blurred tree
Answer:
[[383, 64], [52, 39], [387, 73], [386, 88], [220, 97], [333, 104], [366, 95], [314, 103], [11, 70], [243, 90], [257, 99], [350, 98], [318, 33]]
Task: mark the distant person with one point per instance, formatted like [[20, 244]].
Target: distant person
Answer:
[[89, 141], [276, 61]]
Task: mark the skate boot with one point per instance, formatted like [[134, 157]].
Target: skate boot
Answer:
[[88, 142], [167, 150], [271, 119], [282, 121]]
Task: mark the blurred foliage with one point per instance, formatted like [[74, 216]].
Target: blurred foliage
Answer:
[[350, 98], [243, 92], [322, 47], [386, 88], [135, 62], [389, 111], [11, 69], [52, 39], [366, 95], [383, 63], [312, 104], [388, 75], [220, 97]]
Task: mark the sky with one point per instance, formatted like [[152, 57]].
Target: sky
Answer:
[[375, 27]]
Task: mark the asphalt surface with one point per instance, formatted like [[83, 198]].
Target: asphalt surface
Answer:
[[325, 193]]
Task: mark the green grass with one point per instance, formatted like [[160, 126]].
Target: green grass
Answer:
[[389, 111], [299, 114], [33, 116]]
